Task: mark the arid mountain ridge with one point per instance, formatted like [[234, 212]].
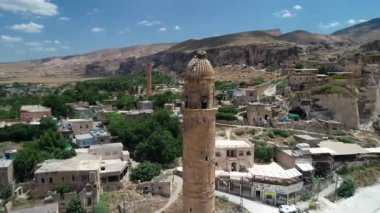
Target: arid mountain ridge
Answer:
[[255, 48]]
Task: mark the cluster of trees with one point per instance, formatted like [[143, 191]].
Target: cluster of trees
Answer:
[[156, 138], [11, 105], [145, 171], [227, 113], [75, 206], [24, 132], [50, 145], [279, 132], [93, 91], [160, 100]]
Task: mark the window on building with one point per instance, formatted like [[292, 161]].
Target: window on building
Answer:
[[231, 153], [241, 153], [84, 177], [62, 179], [50, 180], [87, 126], [217, 154], [80, 126], [42, 180], [89, 201], [248, 153], [73, 178]]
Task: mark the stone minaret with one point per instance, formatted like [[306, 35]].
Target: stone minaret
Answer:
[[149, 79], [199, 137]]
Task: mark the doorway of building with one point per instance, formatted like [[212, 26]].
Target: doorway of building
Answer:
[[233, 167]]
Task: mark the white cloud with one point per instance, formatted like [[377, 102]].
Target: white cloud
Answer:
[[176, 27], [28, 28], [125, 30], [362, 20], [37, 7], [285, 14], [64, 18], [97, 30], [148, 23], [33, 44], [351, 21], [163, 29], [65, 47], [93, 11], [42, 49], [297, 7], [329, 25], [5, 38], [48, 42], [56, 42]]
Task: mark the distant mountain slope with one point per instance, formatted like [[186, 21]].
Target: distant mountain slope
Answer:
[[363, 32], [304, 37], [236, 39], [76, 65]]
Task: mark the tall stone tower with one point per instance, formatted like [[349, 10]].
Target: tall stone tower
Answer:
[[199, 137], [149, 78]]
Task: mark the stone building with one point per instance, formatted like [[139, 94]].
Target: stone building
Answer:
[[78, 126], [258, 114], [141, 105], [32, 113], [76, 172], [6, 172], [300, 79], [234, 155], [199, 136], [156, 188], [268, 183], [80, 110]]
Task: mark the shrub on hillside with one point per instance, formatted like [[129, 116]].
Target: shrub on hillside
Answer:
[[347, 188]]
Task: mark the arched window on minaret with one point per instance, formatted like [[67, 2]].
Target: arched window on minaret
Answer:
[[204, 102]]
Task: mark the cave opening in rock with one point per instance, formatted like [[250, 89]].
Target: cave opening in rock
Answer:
[[298, 111]]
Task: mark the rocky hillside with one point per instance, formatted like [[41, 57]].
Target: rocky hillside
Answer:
[[99, 63], [255, 48], [363, 32]]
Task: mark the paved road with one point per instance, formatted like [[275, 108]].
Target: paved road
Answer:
[[365, 200], [251, 206], [174, 196]]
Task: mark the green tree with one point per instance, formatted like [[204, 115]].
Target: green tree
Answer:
[[145, 171], [125, 102], [264, 153], [75, 206], [50, 145], [347, 188], [6, 192], [299, 66], [160, 147]]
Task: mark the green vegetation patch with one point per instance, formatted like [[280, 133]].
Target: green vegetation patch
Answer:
[[346, 139], [332, 89], [145, 171]]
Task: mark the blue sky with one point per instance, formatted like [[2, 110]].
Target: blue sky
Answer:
[[31, 29]]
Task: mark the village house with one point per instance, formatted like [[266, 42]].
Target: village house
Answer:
[[34, 113], [80, 110], [300, 79], [76, 172], [268, 183], [234, 155], [144, 105], [258, 114], [77, 126]]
